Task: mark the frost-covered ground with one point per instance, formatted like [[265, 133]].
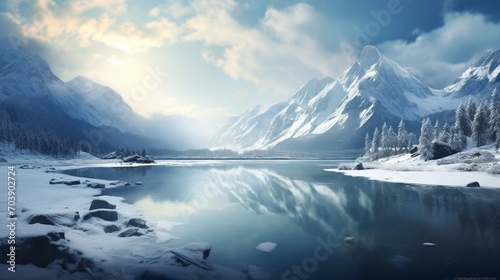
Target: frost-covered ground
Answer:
[[86, 250], [476, 164]]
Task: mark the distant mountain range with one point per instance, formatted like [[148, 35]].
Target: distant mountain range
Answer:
[[334, 115], [83, 109]]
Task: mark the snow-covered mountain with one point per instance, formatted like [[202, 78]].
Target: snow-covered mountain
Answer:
[[81, 107], [333, 114], [107, 107], [479, 79], [27, 75]]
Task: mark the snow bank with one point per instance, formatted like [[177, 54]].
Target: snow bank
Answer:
[[92, 248], [479, 165]]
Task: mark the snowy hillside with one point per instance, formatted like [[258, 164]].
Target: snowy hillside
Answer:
[[480, 79], [79, 108], [333, 114], [110, 108]]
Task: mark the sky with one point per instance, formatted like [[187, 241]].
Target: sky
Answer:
[[212, 59]]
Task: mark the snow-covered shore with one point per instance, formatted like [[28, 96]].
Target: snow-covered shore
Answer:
[[474, 165], [81, 247]]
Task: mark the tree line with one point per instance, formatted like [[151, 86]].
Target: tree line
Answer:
[[28, 136], [480, 122]]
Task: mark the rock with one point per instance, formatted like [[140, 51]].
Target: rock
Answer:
[[107, 215], [138, 159], [414, 150], [38, 250], [101, 204], [138, 183], [197, 249], [358, 166], [69, 183], [131, 232], [137, 222], [41, 219], [474, 184], [441, 150], [111, 228], [96, 185], [66, 219]]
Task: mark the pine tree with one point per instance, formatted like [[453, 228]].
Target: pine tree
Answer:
[[385, 140], [375, 144], [392, 138], [445, 135], [425, 140], [437, 130], [471, 109], [368, 144], [462, 121], [480, 126], [402, 136], [494, 121], [144, 152]]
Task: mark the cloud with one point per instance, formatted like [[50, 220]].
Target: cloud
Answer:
[[279, 53], [89, 22], [441, 55]]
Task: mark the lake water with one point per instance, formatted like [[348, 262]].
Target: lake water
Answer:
[[308, 213]]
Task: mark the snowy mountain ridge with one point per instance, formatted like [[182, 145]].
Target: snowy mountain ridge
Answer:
[[87, 104], [340, 111]]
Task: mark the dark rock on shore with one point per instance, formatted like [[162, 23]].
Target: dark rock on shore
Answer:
[[38, 250], [66, 219], [358, 166], [474, 184], [69, 183], [107, 215], [96, 185], [111, 228], [441, 150], [138, 159], [131, 232], [101, 204], [137, 222]]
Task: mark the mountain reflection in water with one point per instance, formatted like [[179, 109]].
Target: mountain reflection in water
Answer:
[[388, 222]]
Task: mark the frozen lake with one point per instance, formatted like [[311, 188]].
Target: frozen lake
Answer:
[[309, 213]]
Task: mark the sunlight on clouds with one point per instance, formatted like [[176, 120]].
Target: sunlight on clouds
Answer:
[[154, 12], [94, 21]]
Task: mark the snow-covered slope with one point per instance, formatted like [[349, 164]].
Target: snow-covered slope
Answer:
[[333, 114], [110, 108], [479, 80], [85, 105], [26, 75]]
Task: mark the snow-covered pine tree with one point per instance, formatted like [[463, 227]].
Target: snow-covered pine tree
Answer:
[[385, 142], [437, 130], [402, 136], [425, 140], [393, 140], [462, 121], [494, 121], [480, 126], [368, 144], [375, 144], [445, 135], [471, 108]]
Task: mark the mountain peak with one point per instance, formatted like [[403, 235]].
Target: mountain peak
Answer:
[[368, 56]]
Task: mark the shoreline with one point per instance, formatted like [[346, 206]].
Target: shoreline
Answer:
[[427, 178], [98, 254]]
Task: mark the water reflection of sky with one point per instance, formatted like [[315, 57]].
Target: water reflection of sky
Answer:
[[237, 206]]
